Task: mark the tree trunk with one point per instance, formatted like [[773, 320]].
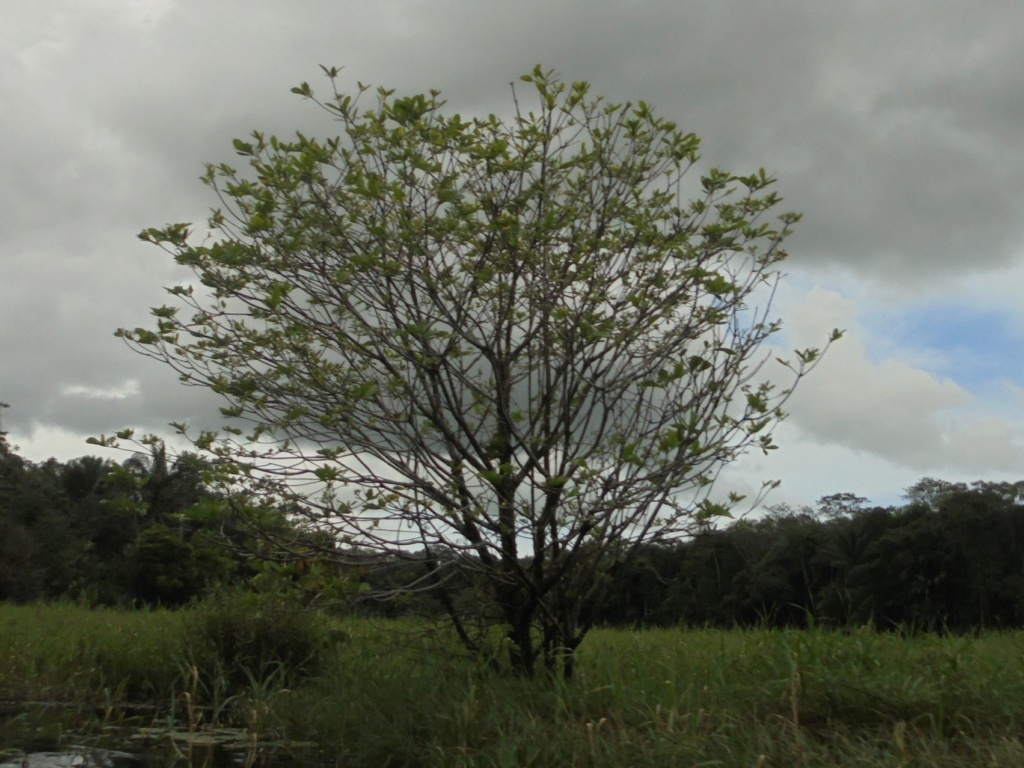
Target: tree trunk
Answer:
[[522, 654]]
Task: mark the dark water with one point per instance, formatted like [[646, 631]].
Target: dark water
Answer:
[[84, 757], [53, 736], [87, 757], [167, 754], [73, 758]]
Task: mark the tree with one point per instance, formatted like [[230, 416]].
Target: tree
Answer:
[[929, 492], [837, 505], [84, 476], [510, 351]]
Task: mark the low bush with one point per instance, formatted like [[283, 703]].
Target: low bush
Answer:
[[246, 636]]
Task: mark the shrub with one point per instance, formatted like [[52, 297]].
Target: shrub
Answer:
[[242, 637]]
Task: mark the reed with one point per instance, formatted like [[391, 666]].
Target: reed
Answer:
[[399, 694]]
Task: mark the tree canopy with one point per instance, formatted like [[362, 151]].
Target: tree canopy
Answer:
[[143, 531], [509, 351]]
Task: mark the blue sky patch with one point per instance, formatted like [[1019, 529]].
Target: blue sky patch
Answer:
[[973, 346]]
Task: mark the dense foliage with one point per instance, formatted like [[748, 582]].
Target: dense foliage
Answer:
[[951, 558], [141, 532]]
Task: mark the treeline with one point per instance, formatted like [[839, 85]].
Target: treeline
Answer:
[[149, 531], [950, 559], [144, 531]]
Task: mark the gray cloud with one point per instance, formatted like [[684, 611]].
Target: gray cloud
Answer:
[[894, 127]]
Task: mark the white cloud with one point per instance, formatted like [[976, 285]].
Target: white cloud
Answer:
[[129, 389], [890, 408], [894, 127]]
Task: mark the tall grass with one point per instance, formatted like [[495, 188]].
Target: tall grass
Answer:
[[393, 694], [68, 653], [656, 698]]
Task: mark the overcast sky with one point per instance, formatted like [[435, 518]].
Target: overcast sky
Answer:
[[897, 128]]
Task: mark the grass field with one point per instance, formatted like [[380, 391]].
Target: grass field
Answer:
[[395, 694]]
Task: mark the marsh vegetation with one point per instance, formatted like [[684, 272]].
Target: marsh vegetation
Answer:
[[375, 693]]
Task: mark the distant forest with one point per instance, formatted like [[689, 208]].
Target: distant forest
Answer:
[[148, 531]]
